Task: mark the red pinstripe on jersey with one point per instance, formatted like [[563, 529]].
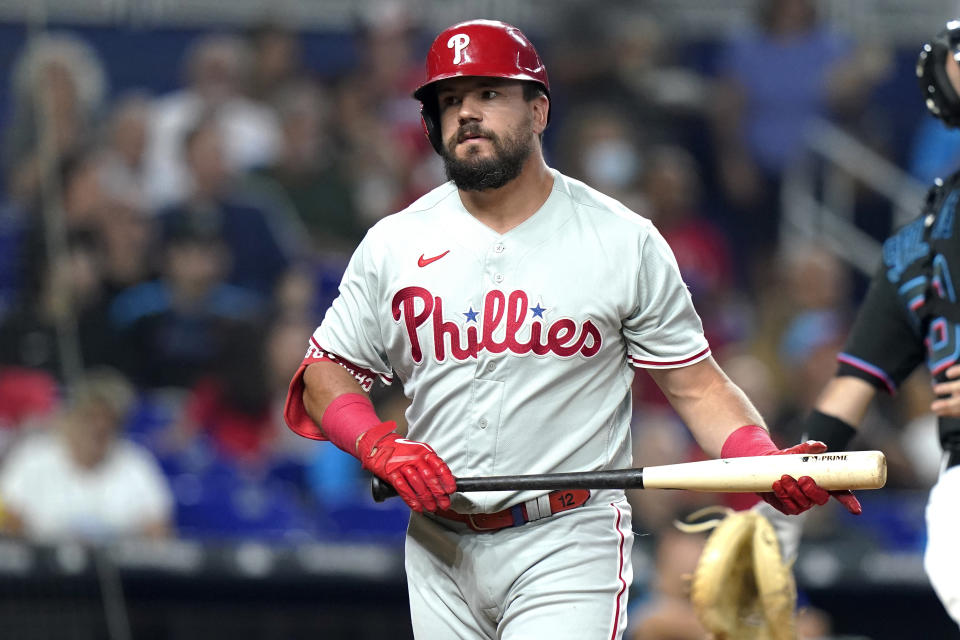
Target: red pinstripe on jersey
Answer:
[[623, 583]]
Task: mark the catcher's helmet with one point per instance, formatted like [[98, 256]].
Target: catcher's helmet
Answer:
[[938, 93], [487, 48]]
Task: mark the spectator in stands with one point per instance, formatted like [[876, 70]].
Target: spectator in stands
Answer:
[[298, 295], [389, 67], [76, 211], [81, 480], [309, 173], [59, 89], [240, 406], [378, 131], [124, 146], [600, 144], [672, 187], [126, 237], [229, 440], [28, 397], [259, 239], [105, 249], [665, 612], [623, 56], [807, 278], [108, 248], [276, 60], [668, 190], [176, 329], [216, 69], [775, 80], [57, 325], [234, 405], [807, 355]]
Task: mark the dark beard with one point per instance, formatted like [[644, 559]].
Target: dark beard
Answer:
[[479, 174]]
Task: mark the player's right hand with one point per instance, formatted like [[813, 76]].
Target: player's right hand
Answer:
[[948, 395], [413, 468], [793, 496]]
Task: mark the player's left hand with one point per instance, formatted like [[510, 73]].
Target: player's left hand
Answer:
[[794, 496], [950, 404]]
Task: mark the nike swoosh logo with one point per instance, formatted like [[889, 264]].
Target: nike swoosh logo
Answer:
[[422, 262], [414, 442]]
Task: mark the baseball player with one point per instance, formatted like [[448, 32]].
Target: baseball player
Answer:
[[910, 316], [512, 303]]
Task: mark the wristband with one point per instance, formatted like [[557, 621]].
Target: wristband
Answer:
[[349, 416], [749, 440], [830, 430]]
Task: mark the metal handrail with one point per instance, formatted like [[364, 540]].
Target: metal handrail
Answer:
[[842, 160]]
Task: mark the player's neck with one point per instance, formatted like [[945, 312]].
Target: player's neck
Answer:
[[505, 208]]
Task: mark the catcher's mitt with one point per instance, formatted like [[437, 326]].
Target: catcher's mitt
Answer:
[[741, 589]]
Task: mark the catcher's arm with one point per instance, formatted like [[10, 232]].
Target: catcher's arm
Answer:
[[948, 394], [845, 398]]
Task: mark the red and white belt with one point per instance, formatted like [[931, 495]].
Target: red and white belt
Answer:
[[520, 514]]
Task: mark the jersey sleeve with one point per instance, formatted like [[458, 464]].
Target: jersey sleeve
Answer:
[[351, 326], [348, 336], [663, 330], [882, 348]]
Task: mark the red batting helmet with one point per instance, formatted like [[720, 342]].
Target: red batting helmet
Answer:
[[488, 48]]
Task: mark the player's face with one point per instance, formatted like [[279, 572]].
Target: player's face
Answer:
[[488, 129]]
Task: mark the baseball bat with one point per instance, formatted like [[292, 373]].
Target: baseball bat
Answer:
[[832, 471]]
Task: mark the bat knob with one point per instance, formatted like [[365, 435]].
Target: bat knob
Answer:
[[381, 490]]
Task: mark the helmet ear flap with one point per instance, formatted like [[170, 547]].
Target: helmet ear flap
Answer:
[[430, 118]]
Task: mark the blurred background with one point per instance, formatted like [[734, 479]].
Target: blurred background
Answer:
[[183, 183]]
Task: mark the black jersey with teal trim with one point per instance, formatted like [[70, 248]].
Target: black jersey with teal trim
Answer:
[[910, 315]]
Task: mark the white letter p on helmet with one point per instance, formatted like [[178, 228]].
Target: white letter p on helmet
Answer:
[[458, 42]]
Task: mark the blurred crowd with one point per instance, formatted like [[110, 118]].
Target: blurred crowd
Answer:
[[165, 255]]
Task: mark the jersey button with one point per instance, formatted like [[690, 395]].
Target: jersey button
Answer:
[[491, 366], [498, 278], [498, 248], [483, 423]]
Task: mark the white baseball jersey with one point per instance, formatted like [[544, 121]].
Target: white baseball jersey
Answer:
[[515, 349], [940, 558]]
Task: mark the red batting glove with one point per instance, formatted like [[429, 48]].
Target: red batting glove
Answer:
[[789, 495], [414, 469]]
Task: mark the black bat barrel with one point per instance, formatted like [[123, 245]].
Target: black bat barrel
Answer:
[[615, 479]]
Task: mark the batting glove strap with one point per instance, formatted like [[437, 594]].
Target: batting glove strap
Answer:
[[372, 437]]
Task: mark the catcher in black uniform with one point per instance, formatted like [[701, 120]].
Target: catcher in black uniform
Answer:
[[910, 316]]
